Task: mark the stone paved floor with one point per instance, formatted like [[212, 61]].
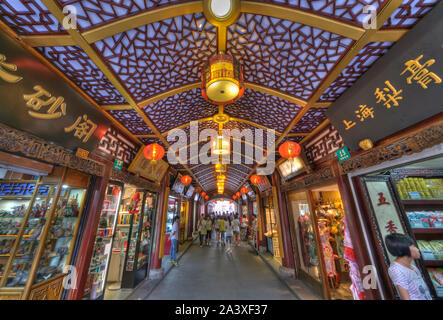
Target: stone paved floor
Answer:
[[210, 273]]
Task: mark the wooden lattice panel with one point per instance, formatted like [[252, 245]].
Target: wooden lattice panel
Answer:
[[77, 66], [92, 13], [265, 109], [311, 120], [179, 109], [160, 56], [323, 145], [118, 146], [355, 69], [409, 13], [284, 55], [29, 17], [132, 121]]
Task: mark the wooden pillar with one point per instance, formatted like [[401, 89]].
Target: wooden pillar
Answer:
[[88, 235], [160, 224], [280, 208]]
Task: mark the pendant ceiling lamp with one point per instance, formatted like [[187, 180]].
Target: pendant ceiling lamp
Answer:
[[153, 151], [222, 79], [186, 180], [220, 168], [289, 149], [255, 179], [220, 146]]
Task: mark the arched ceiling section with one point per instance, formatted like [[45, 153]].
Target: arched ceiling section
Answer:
[[140, 60]]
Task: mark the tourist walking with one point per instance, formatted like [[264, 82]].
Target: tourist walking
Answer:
[[222, 226], [174, 241], [202, 230], [209, 227], [236, 230], [217, 229], [229, 233]]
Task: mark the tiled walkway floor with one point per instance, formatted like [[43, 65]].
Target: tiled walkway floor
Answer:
[[210, 273]]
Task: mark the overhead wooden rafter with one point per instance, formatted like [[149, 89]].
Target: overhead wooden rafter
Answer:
[[80, 40]]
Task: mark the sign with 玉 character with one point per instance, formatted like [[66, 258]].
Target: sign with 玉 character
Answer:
[[401, 89], [36, 99]]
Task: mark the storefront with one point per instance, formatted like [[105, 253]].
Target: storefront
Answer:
[[173, 209], [405, 196], [39, 220], [129, 234]]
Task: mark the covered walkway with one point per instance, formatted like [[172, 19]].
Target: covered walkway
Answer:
[[210, 273]]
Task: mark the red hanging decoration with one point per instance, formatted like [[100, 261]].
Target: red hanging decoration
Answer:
[[234, 197], [186, 180], [153, 151], [230, 201], [289, 149], [244, 190], [255, 179], [198, 189], [238, 194], [203, 194], [206, 197]]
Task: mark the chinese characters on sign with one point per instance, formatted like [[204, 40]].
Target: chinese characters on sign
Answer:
[[83, 127], [343, 154], [382, 200], [390, 227], [419, 72], [118, 164]]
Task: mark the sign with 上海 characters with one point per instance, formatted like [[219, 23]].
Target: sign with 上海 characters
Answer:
[[401, 89], [35, 99]]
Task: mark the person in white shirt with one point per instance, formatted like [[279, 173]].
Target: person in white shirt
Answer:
[[174, 241], [229, 227], [405, 276]]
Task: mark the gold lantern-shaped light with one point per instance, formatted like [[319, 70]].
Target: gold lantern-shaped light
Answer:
[[222, 79], [220, 146], [220, 168]]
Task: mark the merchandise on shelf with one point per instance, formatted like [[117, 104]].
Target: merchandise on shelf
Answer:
[[431, 250], [420, 188], [425, 219], [436, 275]]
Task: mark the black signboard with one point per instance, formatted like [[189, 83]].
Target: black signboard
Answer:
[[35, 99], [401, 89]]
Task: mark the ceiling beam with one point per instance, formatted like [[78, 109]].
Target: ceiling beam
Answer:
[[282, 12], [79, 40]]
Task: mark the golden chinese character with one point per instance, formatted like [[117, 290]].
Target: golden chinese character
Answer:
[[83, 130], [349, 124], [419, 72], [391, 97], [11, 67], [35, 102], [364, 112]]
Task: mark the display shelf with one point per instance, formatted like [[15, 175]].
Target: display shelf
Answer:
[[427, 230], [423, 202], [433, 263]]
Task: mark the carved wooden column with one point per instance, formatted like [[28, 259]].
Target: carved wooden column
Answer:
[[156, 270], [288, 258], [89, 233]]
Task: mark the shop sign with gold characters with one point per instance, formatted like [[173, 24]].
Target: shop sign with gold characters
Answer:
[[401, 89], [37, 100]]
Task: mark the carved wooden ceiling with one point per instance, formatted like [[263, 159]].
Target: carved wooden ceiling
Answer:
[[140, 61]]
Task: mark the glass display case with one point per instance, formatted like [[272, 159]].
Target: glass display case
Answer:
[[62, 233], [103, 242], [38, 227], [271, 231]]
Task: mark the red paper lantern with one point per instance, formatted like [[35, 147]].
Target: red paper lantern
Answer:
[[289, 149], [238, 194], [234, 197], [186, 180], [206, 197], [230, 201], [203, 194], [154, 151], [214, 201], [198, 189], [244, 190], [255, 179]]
